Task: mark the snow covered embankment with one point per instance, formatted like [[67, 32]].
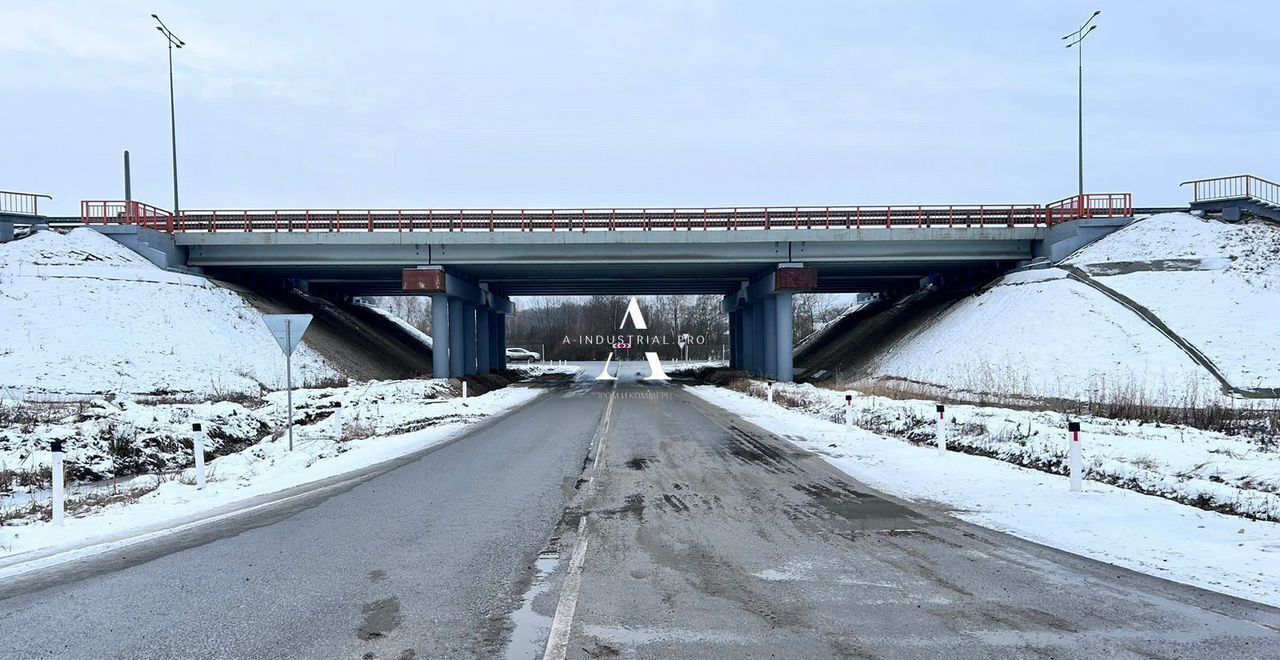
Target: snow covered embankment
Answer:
[[1233, 474], [86, 316], [1148, 534], [1040, 334], [378, 422]]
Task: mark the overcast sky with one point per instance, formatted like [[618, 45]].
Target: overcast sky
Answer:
[[612, 103]]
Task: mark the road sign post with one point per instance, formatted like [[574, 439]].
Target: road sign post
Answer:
[[848, 411], [288, 330]]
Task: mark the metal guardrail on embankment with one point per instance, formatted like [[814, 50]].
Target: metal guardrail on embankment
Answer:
[[20, 203], [1236, 187], [608, 219]]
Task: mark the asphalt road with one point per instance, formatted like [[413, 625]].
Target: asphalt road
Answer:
[[426, 560], [645, 524], [709, 538]]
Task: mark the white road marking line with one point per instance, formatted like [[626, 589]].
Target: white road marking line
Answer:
[[562, 623], [603, 431]]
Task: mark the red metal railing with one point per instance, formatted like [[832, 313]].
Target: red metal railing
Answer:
[[20, 203], [96, 212], [1240, 186], [608, 219], [1091, 205]]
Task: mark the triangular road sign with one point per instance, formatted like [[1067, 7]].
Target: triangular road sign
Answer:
[[287, 329]]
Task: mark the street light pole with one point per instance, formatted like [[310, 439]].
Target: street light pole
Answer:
[[174, 41], [1077, 40]]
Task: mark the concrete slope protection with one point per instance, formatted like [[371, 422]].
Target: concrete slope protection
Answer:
[[702, 536]]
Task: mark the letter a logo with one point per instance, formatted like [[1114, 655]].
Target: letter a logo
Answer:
[[655, 365]]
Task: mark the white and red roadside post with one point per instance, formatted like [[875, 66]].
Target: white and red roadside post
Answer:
[[464, 388], [57, 476], [1077, 463], [848, 411], [337, 422], [942, 429], [197, 447], [768, 390]]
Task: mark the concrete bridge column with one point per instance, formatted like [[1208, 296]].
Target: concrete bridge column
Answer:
[[484, 339], [457, 359], [759, 336], [735, 338], [468, 338], [6, 231], [783, 337], [746, 345], [500, 333], [770, 352], [440, 336]]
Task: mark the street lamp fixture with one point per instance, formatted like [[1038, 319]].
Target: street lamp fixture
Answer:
[[1076, 39], [174, 42]]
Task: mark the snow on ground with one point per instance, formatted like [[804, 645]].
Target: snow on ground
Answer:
[[1216, 284], [1038, 334], [84, 315], [379, 421], [1153, 535]]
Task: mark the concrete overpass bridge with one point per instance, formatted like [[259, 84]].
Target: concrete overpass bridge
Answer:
[[472, 261]]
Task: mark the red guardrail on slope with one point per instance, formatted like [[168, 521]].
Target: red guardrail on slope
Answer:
[[607, 219]]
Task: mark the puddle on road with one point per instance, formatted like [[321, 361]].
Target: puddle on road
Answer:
[[530, 629]]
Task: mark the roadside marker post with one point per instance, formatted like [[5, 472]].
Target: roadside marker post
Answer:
[[464, 389], [942, 430], [848, 411], [197, 447], [1077, 463], [288, 330], [769, 391], [58, 495], [337, 422]]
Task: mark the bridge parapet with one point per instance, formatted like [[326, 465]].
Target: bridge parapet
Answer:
[[608, 219]]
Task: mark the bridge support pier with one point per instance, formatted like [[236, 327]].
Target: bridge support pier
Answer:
[[468, 329], [469, 339], [6, 231], [735, 339], [439, 336], [761, 330], [500, 340], [759, 344], [770, 337], [784, 339], [457, 355], [484, 339]]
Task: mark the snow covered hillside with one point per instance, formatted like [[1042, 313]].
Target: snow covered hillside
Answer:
[[84, 315], [1214, 283], [1041, 333]]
